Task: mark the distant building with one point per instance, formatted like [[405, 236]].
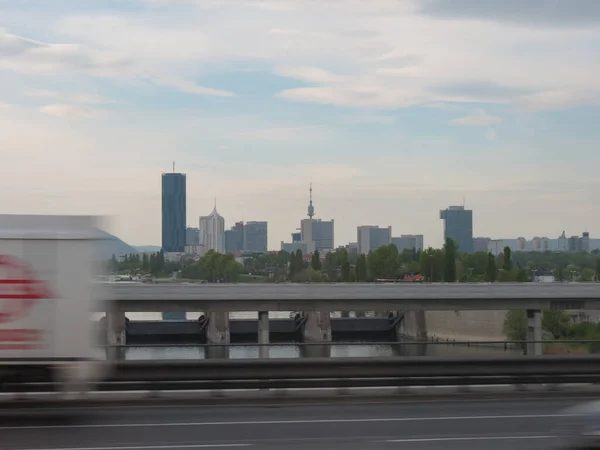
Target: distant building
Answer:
[[480, 244], [234, 238], [408, 242], [173, 256], [173, 212], [321, 232], [496, 246], [255, 237], [212, 232], [458, 226], [296, 237], [371, 237], [192, 236], [292, 247], [194, 249], [579, 244]]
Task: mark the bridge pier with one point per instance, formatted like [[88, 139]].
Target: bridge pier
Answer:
[[116, 334], [317, 329], [263, 334], [217, 333], [414, 325], [534, 332]]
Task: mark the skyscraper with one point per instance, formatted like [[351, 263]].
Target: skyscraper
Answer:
[[255, 236], [212, 232], [173, 212], [234, 238], [458, 226]]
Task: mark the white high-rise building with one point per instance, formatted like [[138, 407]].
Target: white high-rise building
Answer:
[[212, 232], [371, 237]]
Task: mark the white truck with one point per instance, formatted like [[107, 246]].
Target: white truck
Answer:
[[47, 297]]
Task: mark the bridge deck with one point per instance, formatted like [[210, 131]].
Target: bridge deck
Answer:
[[353, 296]]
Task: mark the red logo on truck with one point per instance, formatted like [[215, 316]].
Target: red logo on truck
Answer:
[[19, 289]]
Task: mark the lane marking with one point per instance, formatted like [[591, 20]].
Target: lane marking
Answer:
[[287, 422], [471, 438], [148, 447]]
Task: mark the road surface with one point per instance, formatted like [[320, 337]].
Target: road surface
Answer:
[[420, 424]]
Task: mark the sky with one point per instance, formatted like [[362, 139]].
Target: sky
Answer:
[[392, 109]]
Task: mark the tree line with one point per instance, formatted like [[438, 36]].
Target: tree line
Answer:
[[137, 263], [446, 264]]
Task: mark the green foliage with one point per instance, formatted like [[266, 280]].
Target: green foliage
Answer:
[[345, 268], [214, 267], [507, 263], [361, 268], [515, 325], [431, 264], [522, 275], [316, 261], [556, 323], [490, 268], [450, 249], [384, 263]]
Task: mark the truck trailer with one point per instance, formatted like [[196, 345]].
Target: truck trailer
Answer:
[[47, 269]]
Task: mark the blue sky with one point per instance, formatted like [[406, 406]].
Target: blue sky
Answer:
[[392, 109]]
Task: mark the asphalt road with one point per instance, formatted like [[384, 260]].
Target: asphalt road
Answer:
[[526, 423]]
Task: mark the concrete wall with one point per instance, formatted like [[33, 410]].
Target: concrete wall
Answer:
[[466, 325], [455, 325]]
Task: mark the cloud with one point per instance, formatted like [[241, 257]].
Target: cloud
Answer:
[[408, 49], [310, 74], [32, 57], [558, 13], [370, 96], [67, 111], [42, 94], [91, 99], [281, 133], [558, 99], [29, 56], [189, 86], [478, 119]]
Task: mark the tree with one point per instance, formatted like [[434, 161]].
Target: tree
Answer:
[[555, 322], [450, 261], [361, 268], [431, 264], [331, 266], [522, 275], [315, 262], [515, 325], [598, 269], [507, 264], [384, 263], [490, 269]]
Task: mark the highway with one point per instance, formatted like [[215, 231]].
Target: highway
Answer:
[[416, 423]]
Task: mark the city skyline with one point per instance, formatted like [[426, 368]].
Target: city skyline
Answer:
[[392, 118]]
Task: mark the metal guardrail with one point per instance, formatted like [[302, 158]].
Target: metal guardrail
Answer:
[[305, 373], [357, 343], [347, 368]]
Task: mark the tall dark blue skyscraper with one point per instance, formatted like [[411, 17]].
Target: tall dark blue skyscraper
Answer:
[[458, 226], [174, 216]]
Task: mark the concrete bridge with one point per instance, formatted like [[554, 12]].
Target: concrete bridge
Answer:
[[316, 301]]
